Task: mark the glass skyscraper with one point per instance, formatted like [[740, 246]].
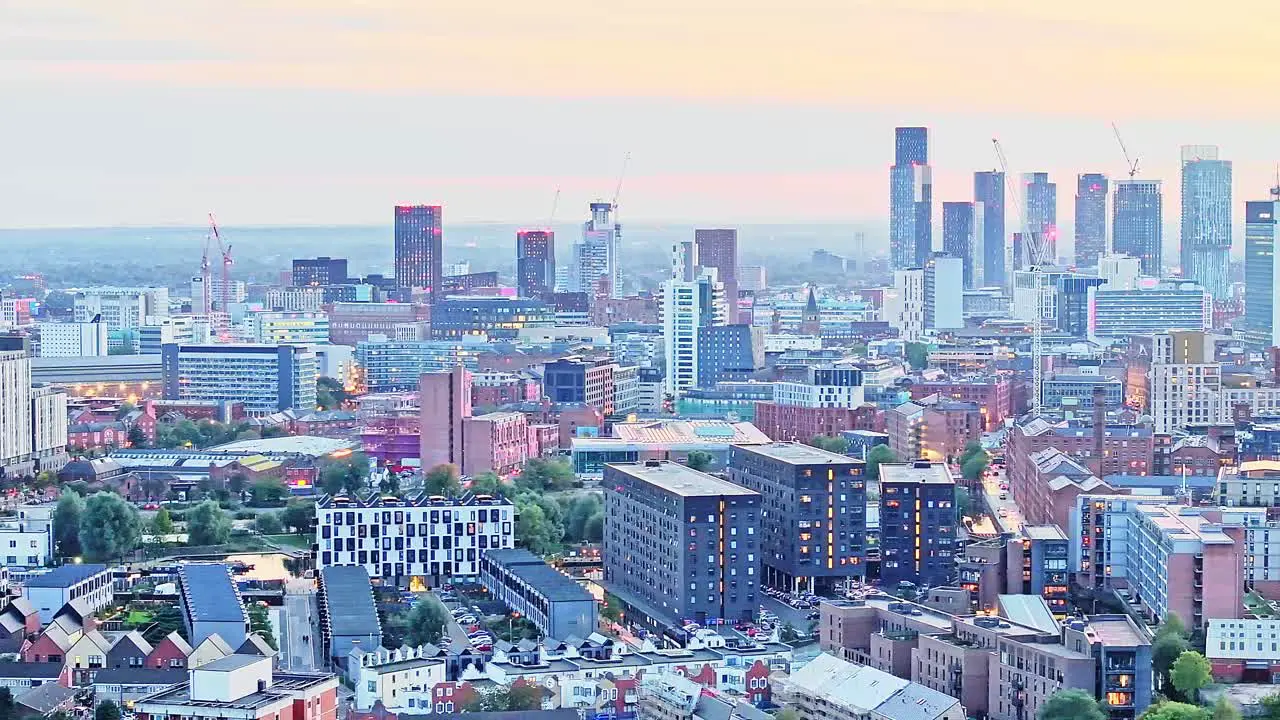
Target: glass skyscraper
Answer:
[[962, 238], [1206, 219], [910, 199], [419, 257], [1136, 224], [1040, 218], [1091, 218], [1260, 272], [535, 262], [988, 189]]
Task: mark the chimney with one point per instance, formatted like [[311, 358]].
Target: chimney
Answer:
[[1099, 426]]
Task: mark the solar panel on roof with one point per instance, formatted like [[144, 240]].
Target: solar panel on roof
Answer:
[[716, 431]]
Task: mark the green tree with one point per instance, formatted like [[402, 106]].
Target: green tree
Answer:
[[348, 475], [918, 355], [260, 623], [1071, 705], [593, 531], [580, 511], [535, 530], [1175, 711], [273, 431], [8, 711], [66, 523], [427, 621], [269, 491], [830, 443], [525, 696], [137, 438], [162, 523], [107, 710], [1170, 641], [46, 479], [877, 455], [486, 483], [237, 482], [787, 714], [329, 393], [973, 468], [109, 528], [1190, 673], [298, 514], [268, 523], [1270, 707], [166, 620], [207, 524], [612, 607], [963, 502], [1225, 710], [547, 474], [442, 480], [698, 460]]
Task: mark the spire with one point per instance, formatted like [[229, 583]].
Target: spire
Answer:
[[811, 305]]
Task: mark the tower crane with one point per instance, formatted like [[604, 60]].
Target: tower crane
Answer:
[[626, 159], [206, 280], [555, 203], [1035, 249], [224, 320], [1130, 162]]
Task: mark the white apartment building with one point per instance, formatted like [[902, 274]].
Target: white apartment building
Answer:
[[181, 329], [121, 307], [1119, 272], [944, 293], [27, 541], [48, 592], [904, 305], [827, 387], [295, 299], [293, 327], [238, 292], [73, 339], [15, 404], [1186, 381], [781, 342], [415, 539], [685, 307], [626, 389]]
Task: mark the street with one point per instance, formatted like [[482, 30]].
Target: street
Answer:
[[299, 630], [1012, 522]]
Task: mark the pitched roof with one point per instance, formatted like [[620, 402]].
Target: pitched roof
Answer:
[[215, 640], [179, 642], [254, 645], [54, 632], [65, 576], [26, 670], [139, 676], [46, 698], [210, 594], [348, 601], [134, 638]]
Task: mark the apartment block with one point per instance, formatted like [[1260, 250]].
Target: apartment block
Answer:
[[917, 523], [555, 602], [266, 378], [1182, 562]]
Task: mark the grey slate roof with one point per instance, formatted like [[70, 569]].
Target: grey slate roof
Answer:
[[46, 698], [26, 670], [65, 576], [139, 676], [348, 599], [210, 593]]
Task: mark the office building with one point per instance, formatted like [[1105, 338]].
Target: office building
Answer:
[[297, 299], [73, 339], [729, 352], [419, 248], [1261, 265], [319, 272], [211, 604], [413, 538], [597, 256], [575, 379], [244, 687], [353, 322], [1243, 650], [280, 327], [904, 305], [120, 308], [681, 544], [266, 378], [917, 523], [910, 199], [557, 604], [1040, 219], [1137, 223], [1119, 272], [718, 248], [1073, 295], [813, 521], [1076, 389], [1206, 219], [492, 317], [535, 262], [943, 293], [395, 366], [1091, 219], [962, 237], [988, 190], [685, 307], [1152, 308], [33, 417]]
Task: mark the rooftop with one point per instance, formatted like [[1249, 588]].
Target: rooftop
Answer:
[[1117, 631], [860, 688], [348, 600], [289, 445], [65, 576], [800, 454], [680, 480], [283, 687], [676, 431], [916, 472], [554, 585], [1044, 532], [1028, 610], [210, 593]]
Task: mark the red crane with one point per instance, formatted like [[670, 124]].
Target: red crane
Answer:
[[224, 320]]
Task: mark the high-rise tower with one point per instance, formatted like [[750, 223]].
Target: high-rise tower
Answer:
[[1262, 270], [1040, 214], [910, 199], [1091, 218], [1206, 219], [1137, 222], [988, 189], [535, 262], [962, 236], [419, 259], [597, 253], [718, 248]]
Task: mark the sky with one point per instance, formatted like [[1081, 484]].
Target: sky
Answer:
[[140, 112]]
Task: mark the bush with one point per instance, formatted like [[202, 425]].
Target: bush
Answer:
[[245, 515]]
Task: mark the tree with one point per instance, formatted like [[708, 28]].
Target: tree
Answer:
[[1175, 711], [207, 524], [260, 623], [162, 523], [109, 528], [918, 355], [1190, 673], [838, 445], [66, 523], [298, 514], [1071, 705], [877, 455], [329, 393], [1270, 707], [547, 474], [237, 482], [1170, 641], [268, 523], [787, 714], [442, 480], [7, 709], [535, 530], [593, 531], [124, 408], [269, 491], [580, 511], [698, 460], [46, 479], [427, 621], [963, 502], [107, 710], [486, 483], [273, 431], [523, 696], [1225, 710], [137, 438], [973, 468]]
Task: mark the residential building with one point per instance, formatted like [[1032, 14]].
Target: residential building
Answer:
[[90, 584], [348, 616], [1262, 270], [27, 540], [1253, 483], [244, 687], [1149, 309], [266, 378], [120, 308], [917, 523], [1243, 650], [1038, 565], [319, 272], [211, 603], [444, 400], [1064, 389], [904, 307], [661, 440], [1119, 272], [1122, 652], [419, 248], [669, 696], [933, 428], [127, 685], [1181, 562], [354, 322], [1119, 448], [695, 529], [1048, 483], [686, 307], [497, 442], [413, 538], [910, 199], [557, 604], [718, 248], [1039, 218], [33, 418], [492, 317], [1091, 218], [296, 299], [293, 327], [828, 688], [535, 262], [576, 379], [1137, 222], [943, 292], [993, 394], [597, 255], [1186, 380], [1206, 219], [396, 365], [813, 521], [729, 352], [73, 339], [988, 189], [962, 237]]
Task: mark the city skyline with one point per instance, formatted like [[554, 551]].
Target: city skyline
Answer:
[[248, 129]]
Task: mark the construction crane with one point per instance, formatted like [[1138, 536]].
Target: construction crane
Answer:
[[224, 319], [626, 159], [1131, 162], [555, 203], [1035, 249], [206, 280]]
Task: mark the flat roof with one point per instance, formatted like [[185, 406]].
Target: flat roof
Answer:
[[799, 454], [283, 687], [1044, 532], [233, 662], [65, 576], [1117, 631], [680, 480], [289, 445], [917, 472]]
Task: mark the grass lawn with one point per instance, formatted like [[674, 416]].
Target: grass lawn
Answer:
[[138, 617], [302, 542]]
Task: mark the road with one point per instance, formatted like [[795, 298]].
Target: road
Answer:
[[299, 630], [795, 617], [1012, 522]]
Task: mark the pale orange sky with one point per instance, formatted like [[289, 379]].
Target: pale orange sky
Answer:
[[280, 111]]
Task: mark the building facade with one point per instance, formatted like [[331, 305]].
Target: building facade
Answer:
[[1091, 218], [718, 248], [910, 199], [1137, 223], [535, 262], [551, 600], [1261, 271], [419, 248], [319, 272], [989, 190], [917, 523], [266, 378], [962, 237], [1206, 219]]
